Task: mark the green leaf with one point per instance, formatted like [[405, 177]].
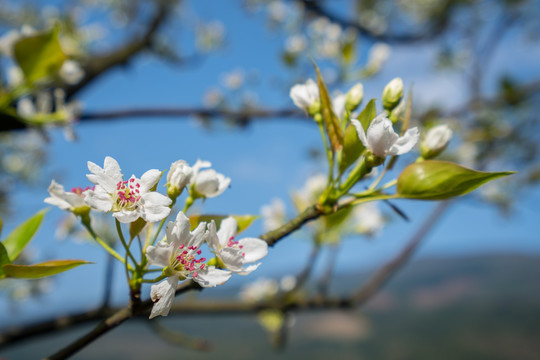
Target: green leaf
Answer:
[[352, 148], [438, 180], [368, 114], [39, 56], [244, 221], [331, 122], [21, 236], [44, 269], [4, 259], [1, 224], [336, 219], [348, 52]]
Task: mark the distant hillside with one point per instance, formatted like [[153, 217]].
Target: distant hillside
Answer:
[[484, 307]]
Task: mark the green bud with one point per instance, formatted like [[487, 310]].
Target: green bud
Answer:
[[173, 192], [82, 211], [318, 118], [392, 94], [354, 97], [373, 160]]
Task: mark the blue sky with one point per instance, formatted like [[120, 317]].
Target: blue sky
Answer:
[[266, 160]]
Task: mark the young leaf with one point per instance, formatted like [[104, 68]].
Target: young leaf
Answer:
[[44, 269], [4, 259], [40, 55], [368, 114], [21, 236], [244, 221], [352, 148], [331, 122], [438, 180]]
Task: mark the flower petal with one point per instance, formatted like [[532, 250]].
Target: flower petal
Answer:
[[227, 230], [381, 135], [232, 258], [149, 180], [211, 277], [405, 143], [126, 216], [98, 199], [248, 269], [254, 249], [360, 131], [162, 295], [160, 254], [155, 206], [178, 231]]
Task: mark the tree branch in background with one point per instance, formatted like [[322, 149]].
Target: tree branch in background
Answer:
[[114, 317]]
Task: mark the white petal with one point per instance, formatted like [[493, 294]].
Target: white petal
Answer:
[[126, 217], [101, 177], [360, 131], [211, 277], [160, 254], [112, 169], [232, 258], [178, 231], [227, 230], [98, 199], [405, 143], [224, 183], [248, 269], [254, 249], [155, 206], [62, 204], [200, 164], [150, 179], [212, 238], [163, 294]]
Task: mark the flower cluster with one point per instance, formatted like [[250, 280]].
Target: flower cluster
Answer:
[[180, 254], [180, 257]]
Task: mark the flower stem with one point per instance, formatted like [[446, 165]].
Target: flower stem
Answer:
[[123, 240], [109, 249]]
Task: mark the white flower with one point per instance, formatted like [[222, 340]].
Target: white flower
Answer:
[[273, 214], [8, 40], [129, 199], [71, 72], [235, 253], [26, 108], [179, 258], [378, 54], [381, 139], [208, 183], [367, 219], [178, 177], [15, 76], [66, 200], [304, 95], [436, 140]]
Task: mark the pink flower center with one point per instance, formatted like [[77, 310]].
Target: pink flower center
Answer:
[[235, 245], [128, 194], [79, 190], [188, 262]]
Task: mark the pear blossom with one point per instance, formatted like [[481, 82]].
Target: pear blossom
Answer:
[[305, 95], [354, 97], [67, 200], [178, 257], [381, 138], [436, 140], [178, 177], [208, 183], [127, 199], [338, 104], [259, 290], [232, 253]]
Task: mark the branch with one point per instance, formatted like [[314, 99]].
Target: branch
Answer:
[[432, 32]]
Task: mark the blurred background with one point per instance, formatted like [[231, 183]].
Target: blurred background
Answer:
[[212, 79]]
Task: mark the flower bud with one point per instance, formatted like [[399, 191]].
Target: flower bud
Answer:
[[392, 93], [436, 140], [354, 97], [178, 177]]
